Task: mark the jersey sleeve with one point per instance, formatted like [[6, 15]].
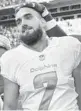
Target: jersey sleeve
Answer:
[[9, 67]]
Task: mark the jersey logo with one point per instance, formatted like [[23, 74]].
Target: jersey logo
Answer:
[[42, 57]]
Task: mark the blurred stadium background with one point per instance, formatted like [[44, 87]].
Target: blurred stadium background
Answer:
[[66, 12]]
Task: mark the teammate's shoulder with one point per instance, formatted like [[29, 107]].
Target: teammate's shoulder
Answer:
[[9, 54]]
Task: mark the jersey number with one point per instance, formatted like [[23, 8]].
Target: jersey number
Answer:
[[50, 79]]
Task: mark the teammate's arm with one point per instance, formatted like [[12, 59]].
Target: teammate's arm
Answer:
[[2, 51], [11, 93]]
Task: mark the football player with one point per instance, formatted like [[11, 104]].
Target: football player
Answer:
[[4, 46], [38, 73]]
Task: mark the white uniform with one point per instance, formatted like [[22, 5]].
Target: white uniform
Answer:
[[35, 73]]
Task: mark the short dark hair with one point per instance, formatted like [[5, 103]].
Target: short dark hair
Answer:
[[22, 6]]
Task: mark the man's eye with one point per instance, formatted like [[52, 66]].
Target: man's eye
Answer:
[[18, 21], [28, 16]]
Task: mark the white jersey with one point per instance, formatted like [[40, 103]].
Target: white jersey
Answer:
[[35, 73]]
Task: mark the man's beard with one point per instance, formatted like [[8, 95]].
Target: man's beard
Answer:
[[32, 38]]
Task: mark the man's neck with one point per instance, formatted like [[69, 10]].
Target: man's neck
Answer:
[[40, 45]]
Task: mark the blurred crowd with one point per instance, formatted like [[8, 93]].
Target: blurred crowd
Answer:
[[71, 26], [11, 33], [4, 3]]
